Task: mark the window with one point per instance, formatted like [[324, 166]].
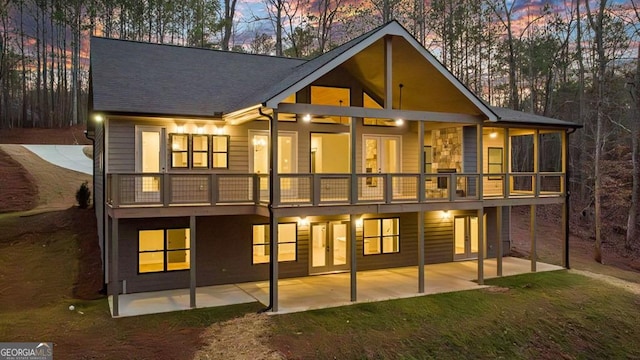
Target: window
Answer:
[[287, 240], [220, 150], [381, 236], [163, 250], [179, 150], [334, 96], [495, 162], [200, 151], [370, 103]]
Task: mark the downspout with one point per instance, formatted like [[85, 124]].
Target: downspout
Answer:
[[103, 290], [566, 200], [270, 207]]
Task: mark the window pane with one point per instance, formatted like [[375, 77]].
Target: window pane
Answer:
[[286, 233], [390, 227], [260, 254], [179, 159], [150, 240], [179, 142], [178, 260], [220, 160], [220, 143], [200, 159], [286, 252], [390, 244], [151, 262], [372, 246], [371, 227], [178, 239], [200, 143], [260, 234]]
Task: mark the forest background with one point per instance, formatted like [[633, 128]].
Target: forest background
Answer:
[[576, 60]]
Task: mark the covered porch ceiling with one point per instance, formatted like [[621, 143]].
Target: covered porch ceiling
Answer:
[[425, 88]]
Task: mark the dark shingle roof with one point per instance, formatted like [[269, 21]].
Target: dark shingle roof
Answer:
[[136, 77], [519, 117]]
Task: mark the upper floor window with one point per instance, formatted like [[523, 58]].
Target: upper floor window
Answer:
[[334, 96], [370, 103], [199, 151], [179, 150], [220, 151]]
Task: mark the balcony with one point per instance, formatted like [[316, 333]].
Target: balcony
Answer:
[[204, 189]]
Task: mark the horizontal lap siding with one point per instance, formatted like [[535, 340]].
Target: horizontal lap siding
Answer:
[[121, 145], [438, 237]]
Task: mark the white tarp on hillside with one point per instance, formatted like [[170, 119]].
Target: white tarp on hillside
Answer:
[[67, 156]]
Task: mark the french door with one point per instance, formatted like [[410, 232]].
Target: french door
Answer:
[[150, 158], [465, 233], [381, 155], [329, 247]]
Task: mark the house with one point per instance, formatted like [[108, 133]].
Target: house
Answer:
[[382, 159]]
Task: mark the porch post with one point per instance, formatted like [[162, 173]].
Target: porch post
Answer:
[[115, 279], [421, 251], [354, 269], [481, 243], [192, 261], [533, 238], [499, 240], [567, 203], [388, 73], [354, 179], [274, 200], [421, 169], [480, 163]]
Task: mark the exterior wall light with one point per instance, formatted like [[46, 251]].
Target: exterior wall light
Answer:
[[493, 135], [446, 215], [399, 122], [98, 118], [180, 129], [200, 130], [306, 118], [359, 223], [303, 221]]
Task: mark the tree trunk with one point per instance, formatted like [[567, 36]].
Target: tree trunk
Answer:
[[632, 221]]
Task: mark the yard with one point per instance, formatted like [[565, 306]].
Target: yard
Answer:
[[49, 260]]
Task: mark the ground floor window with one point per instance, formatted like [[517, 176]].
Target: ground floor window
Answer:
[[287, 240], [163, 250], [381, 236]]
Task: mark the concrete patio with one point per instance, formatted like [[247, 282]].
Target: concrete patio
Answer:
[[325, 291]]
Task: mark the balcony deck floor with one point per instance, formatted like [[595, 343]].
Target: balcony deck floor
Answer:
[[332, 290]]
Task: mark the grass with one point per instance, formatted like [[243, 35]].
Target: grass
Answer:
[[39, 268], [546, 315]]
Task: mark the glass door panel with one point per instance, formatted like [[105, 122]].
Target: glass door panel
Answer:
[[473, 235], [339, 240], [459, 233], [318, 244]]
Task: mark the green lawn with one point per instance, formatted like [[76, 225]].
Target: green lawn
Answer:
[[552, 315]]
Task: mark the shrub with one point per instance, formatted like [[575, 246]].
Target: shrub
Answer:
[[83, 196]]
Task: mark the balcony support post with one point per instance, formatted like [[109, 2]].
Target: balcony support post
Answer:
[[421, 169], [353, 194], [354, 257], [115, 277], [192, 261], [479, 165], [532, 229], [499, 240], [421, 252], [481, 243]]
